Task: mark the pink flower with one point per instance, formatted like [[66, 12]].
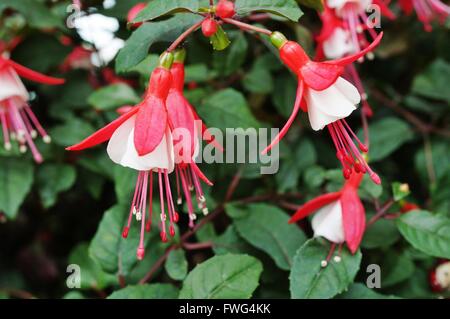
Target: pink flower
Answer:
[[147, 138], [426, 10], [339, 217], [328, 99], [16, 117]]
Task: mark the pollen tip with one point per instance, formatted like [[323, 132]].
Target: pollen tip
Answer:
[[148, 226], [163, 237], [140, 253], [337, 259], [47, 140], [125, 232], [323, 263], [176, 217], [8, 146], [375, 178], [172, 230]]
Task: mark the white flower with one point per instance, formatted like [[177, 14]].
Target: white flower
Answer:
[[340, 4], [327, 223], [338, 44], [122, 151], [332, 104], [11, 85]]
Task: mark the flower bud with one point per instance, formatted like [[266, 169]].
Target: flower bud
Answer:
[[225, 9], [209, 27]]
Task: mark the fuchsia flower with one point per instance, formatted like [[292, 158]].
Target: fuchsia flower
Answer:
[[339, 217], [16, 117], [157, 136], [426, 10], [328, 99], [355, 19]]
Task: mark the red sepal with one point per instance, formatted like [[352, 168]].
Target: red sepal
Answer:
[[320, 76], [313, 205], [353, 218], [200, 174], [291, 119], [352, 58], [150, 126], [103, 134], [33, 75]]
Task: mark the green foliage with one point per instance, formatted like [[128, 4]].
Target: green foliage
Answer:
[[72, 208], [223, 277]]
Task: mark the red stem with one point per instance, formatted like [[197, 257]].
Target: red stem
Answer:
[[246, 26]]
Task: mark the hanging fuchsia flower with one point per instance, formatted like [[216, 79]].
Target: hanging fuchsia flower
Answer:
[[16, 117], [339, 217], [145, 138], [355, 19], [427, 11], [328, 99]]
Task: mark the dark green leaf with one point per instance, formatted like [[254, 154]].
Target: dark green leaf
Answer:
[[137, 46], [223, 277], [285, 8], [113, 96], [310, 280], [153, 291], [158, 8], [54, 179], [266, 227], [427, 232], [176, 264], [16, 178]]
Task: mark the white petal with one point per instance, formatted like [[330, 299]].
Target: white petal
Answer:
[[327, 106], [327, 222], [11, 85], [122, 151], [338, 44]]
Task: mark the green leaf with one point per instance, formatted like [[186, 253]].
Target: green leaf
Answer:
[[223, 277], [382, 233], [137, 46], [396, 268], [258, 80], [220, 40], [229, 61], [386, 136], [433, 82], [230, 110], [116, 254], [72, 132], [360, 291], [285, 8], [113, 96], [153, 291], [176, 264], [311, 281], [91, 275], [16, 178], [286, 86], [54, 179], [266, 227], [400, 190], [314, 4], [437, 158], [427, 232], [35, 12], [124, 183], [159, 8]]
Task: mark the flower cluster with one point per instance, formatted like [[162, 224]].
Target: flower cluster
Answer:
[[159, 136], [18, 121]]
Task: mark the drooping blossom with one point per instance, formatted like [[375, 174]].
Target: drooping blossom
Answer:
[[345, 27], [339, 217], [427, 11], [17, 120], [328, 99], [145, 139]]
